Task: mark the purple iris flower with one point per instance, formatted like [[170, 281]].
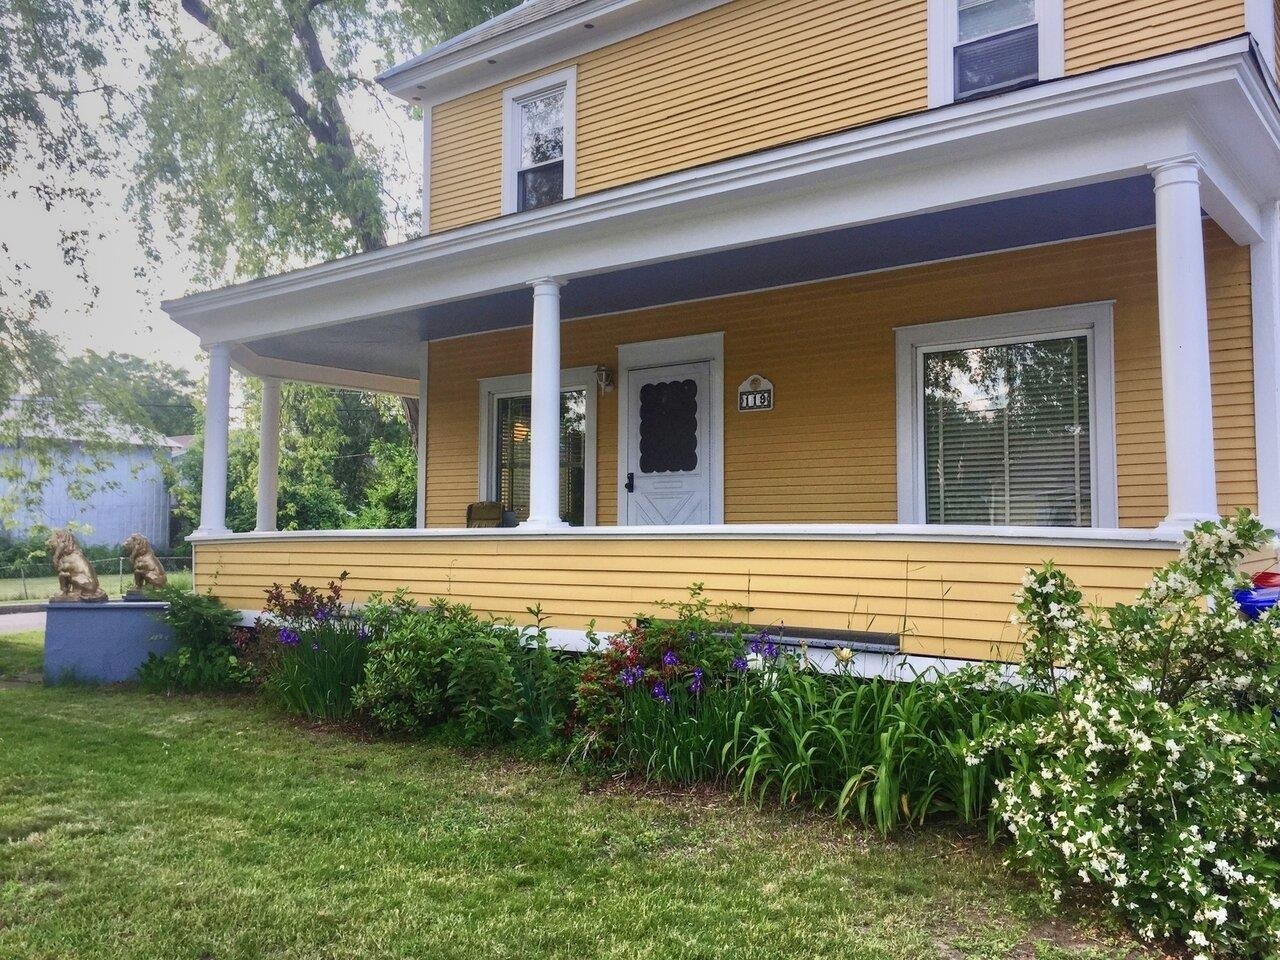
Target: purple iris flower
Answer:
[[771, 651], [740, 664], [631, 676], [695, 685], [669, 659], [322, 615], [363, 632], [315, 647], [660, 692], [288, 637]]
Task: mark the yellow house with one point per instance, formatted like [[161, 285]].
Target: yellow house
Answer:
[[848, 309]]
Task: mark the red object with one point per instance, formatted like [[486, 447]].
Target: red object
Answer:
[[1268, 578]]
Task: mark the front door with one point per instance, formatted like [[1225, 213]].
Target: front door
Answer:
[[668, 477]]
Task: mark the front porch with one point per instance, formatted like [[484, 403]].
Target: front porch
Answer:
[[876, 279]]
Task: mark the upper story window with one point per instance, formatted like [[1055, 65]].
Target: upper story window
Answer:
[[980, 47], [998, 46], [539, 155]]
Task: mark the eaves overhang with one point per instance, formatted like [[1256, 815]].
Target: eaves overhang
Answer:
[[526, 38], [1214, 102]]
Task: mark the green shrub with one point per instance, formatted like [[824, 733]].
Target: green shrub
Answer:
[[207, 658], [443, 664], [1155, 774]]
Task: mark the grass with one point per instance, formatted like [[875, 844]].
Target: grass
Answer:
[[139, 826], [42, 588], [21, 653]]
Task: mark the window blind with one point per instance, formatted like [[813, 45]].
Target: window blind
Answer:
[[1007, 434]]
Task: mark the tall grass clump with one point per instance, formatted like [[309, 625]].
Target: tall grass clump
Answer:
[[701, 698], [313, 649]]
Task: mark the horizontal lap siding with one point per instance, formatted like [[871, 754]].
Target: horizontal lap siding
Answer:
[[744, 76], [950, 599], [827, 452], [1100, 33]]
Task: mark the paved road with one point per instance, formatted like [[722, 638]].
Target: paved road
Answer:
[[21, 622]]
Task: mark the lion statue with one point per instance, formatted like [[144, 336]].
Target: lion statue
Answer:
[[147, 571], [76, 578]]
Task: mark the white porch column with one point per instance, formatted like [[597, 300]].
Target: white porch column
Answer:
[[1184, 346], [269, 456], [544, 421], [1266, 363], [423, 367], [217, 415]]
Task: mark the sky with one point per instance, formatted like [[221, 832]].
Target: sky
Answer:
[[126, 316]]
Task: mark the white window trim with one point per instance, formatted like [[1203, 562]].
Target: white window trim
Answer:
[[492, 389], [944, 28], [566, 79], [1092, 319], [658, 353]]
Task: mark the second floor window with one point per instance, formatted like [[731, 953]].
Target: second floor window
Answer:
[[997, 48], [539, 142], [541, 173]]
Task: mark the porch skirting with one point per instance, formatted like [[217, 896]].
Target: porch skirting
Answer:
[[946, 593]]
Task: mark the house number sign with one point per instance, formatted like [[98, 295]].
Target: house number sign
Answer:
[[755, 395]]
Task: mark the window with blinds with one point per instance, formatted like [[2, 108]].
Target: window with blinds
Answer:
[[998, 46], [1007, 434], [512, 455]]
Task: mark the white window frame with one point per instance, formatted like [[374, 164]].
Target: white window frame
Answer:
[[1092, 320], [512, 98], [493, 389], [647, 354], [944, 34]]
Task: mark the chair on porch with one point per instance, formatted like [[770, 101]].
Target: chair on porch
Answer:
[[485, 513]]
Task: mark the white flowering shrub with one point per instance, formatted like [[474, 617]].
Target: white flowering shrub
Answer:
[[1156, 775]]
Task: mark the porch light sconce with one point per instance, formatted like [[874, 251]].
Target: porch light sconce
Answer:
[[604, 378]]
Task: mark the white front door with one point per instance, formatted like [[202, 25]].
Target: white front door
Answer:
[[668, 465]]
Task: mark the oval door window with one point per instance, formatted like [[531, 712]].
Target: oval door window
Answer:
[[669, 427]]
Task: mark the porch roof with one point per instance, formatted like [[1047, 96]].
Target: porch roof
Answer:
[[1062, 160]]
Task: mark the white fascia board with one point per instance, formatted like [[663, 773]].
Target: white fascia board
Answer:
[[1078, 130], [1140, 539], [541, 43], [251, 364]]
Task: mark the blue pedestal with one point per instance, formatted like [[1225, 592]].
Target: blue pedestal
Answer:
[[102, 642]]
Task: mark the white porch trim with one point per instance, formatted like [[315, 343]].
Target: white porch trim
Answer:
[[655, 353], [1265, 274], [1124, 537]]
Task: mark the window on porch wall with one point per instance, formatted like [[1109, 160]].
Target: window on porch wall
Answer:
[[1007, 434], [512, 459]]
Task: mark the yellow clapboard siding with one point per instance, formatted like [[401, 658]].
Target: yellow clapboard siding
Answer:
[[752, 74], [928, 591], [1100, 33], [744, 76], [827, 452]]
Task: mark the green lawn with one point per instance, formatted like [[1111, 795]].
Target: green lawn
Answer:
[[143, 827], [42, 588], [21, 653]]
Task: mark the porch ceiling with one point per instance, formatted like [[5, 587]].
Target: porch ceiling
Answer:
[[385, 345]]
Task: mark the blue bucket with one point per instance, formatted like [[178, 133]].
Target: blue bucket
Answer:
[[1254, 603]]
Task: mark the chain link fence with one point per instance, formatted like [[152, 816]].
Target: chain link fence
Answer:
[[35, 580]]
